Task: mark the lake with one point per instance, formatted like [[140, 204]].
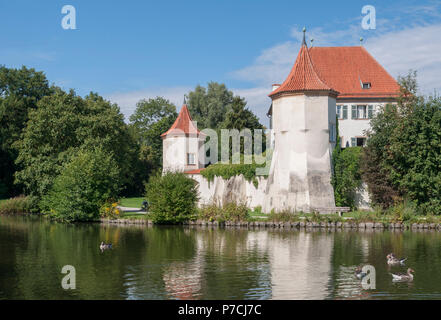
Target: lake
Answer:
[[160, 262]]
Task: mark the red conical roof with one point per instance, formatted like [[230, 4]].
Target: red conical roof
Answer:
[[303, 76], [183, 124]]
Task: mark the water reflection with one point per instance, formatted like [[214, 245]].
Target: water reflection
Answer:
[[204, 263]]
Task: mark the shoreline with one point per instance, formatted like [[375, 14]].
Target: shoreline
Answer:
[[298, 225]]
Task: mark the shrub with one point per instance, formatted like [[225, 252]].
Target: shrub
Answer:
[[84, 185], [347, 176], [19, 205], [172, 198], [283, 216], [110, 210], [230, 211]]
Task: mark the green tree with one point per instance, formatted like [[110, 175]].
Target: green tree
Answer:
[[20, 90], [172, 198], [240, 117], [209, 106], [86, 182], [152, 118], [60, 127]]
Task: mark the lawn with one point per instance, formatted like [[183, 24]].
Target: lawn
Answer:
[[131, 202]]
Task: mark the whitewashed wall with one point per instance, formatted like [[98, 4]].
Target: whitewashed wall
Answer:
[[235, 189]]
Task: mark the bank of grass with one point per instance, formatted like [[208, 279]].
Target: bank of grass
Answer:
[[132, 202], [18, 205]]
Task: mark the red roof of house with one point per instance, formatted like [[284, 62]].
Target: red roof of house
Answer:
[[346, 68], [303, 76], [183, 124]]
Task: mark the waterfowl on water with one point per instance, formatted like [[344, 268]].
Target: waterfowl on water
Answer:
[[104, 246], [403, 276], [392, 260], [359, 273]]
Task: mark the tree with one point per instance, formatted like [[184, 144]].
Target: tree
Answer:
[[172, 198], [152, 118], [20, 90], [403, 153], [61, 126], [240, 117], [85, 183], [209, 106]]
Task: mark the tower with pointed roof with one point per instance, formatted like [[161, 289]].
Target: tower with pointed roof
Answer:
[[183, 145], [304, 123]]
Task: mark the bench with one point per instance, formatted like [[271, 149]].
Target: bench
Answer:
[[328, 210]]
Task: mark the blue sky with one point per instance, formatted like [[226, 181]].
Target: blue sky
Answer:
[[128, 50]]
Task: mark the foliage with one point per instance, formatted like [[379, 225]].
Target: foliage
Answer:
[[226, 171], [61, 126], [110, 210], [209, 106], [20, 90], [172, 198], [152, 118], [402, 158], [347, 176], [230, 211], [19, 205], [85, 184]]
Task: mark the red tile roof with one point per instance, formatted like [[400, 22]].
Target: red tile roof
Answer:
[[196, 171], [346, 68], [303, 76], [183, 124]]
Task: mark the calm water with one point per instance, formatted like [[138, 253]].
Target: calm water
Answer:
[[198, 263]]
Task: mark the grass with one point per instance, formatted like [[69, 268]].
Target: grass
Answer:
[[134, 215], [131, 202]]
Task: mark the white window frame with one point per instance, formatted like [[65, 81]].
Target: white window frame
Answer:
[[191, 159]]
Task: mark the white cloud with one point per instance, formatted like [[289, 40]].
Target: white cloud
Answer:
[[415, 48]]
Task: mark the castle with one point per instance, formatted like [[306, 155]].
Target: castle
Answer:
[[324, 84]]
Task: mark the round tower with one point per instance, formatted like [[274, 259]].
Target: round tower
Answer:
[[304, 124]]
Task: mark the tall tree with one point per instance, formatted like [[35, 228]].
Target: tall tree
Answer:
[[61, 126], [209, 106], [20, 90], [151, 118]]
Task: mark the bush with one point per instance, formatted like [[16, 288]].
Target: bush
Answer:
[[82, 188], [172, 198], [231, 211], [110, 210], [19, 205], [346, 179]]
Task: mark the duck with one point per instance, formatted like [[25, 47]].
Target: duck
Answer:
[[104, 246], [403, 276], [359, 273], [392, 260]]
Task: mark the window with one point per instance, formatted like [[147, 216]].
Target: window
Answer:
[[358, 142], [345, 112], [370, 112], [366, 85], [339, 112], [191, 159], [360, 112]]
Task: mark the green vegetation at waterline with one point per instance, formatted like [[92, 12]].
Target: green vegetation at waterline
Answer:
[[135, 202], [230, 211], [84, 185], [19, 205], [402, 159], [172, 198]]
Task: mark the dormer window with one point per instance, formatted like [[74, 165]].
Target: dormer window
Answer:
[[366, 85]]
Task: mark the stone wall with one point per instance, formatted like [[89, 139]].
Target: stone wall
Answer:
[[235, 189]]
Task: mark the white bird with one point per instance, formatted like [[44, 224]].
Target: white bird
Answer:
[[359, 273], [403, 276], [104, 246], [392, 260]]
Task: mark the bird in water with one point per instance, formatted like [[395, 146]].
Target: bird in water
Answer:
[[392, 260], [359, 273], [403, 276], [104, 246]]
